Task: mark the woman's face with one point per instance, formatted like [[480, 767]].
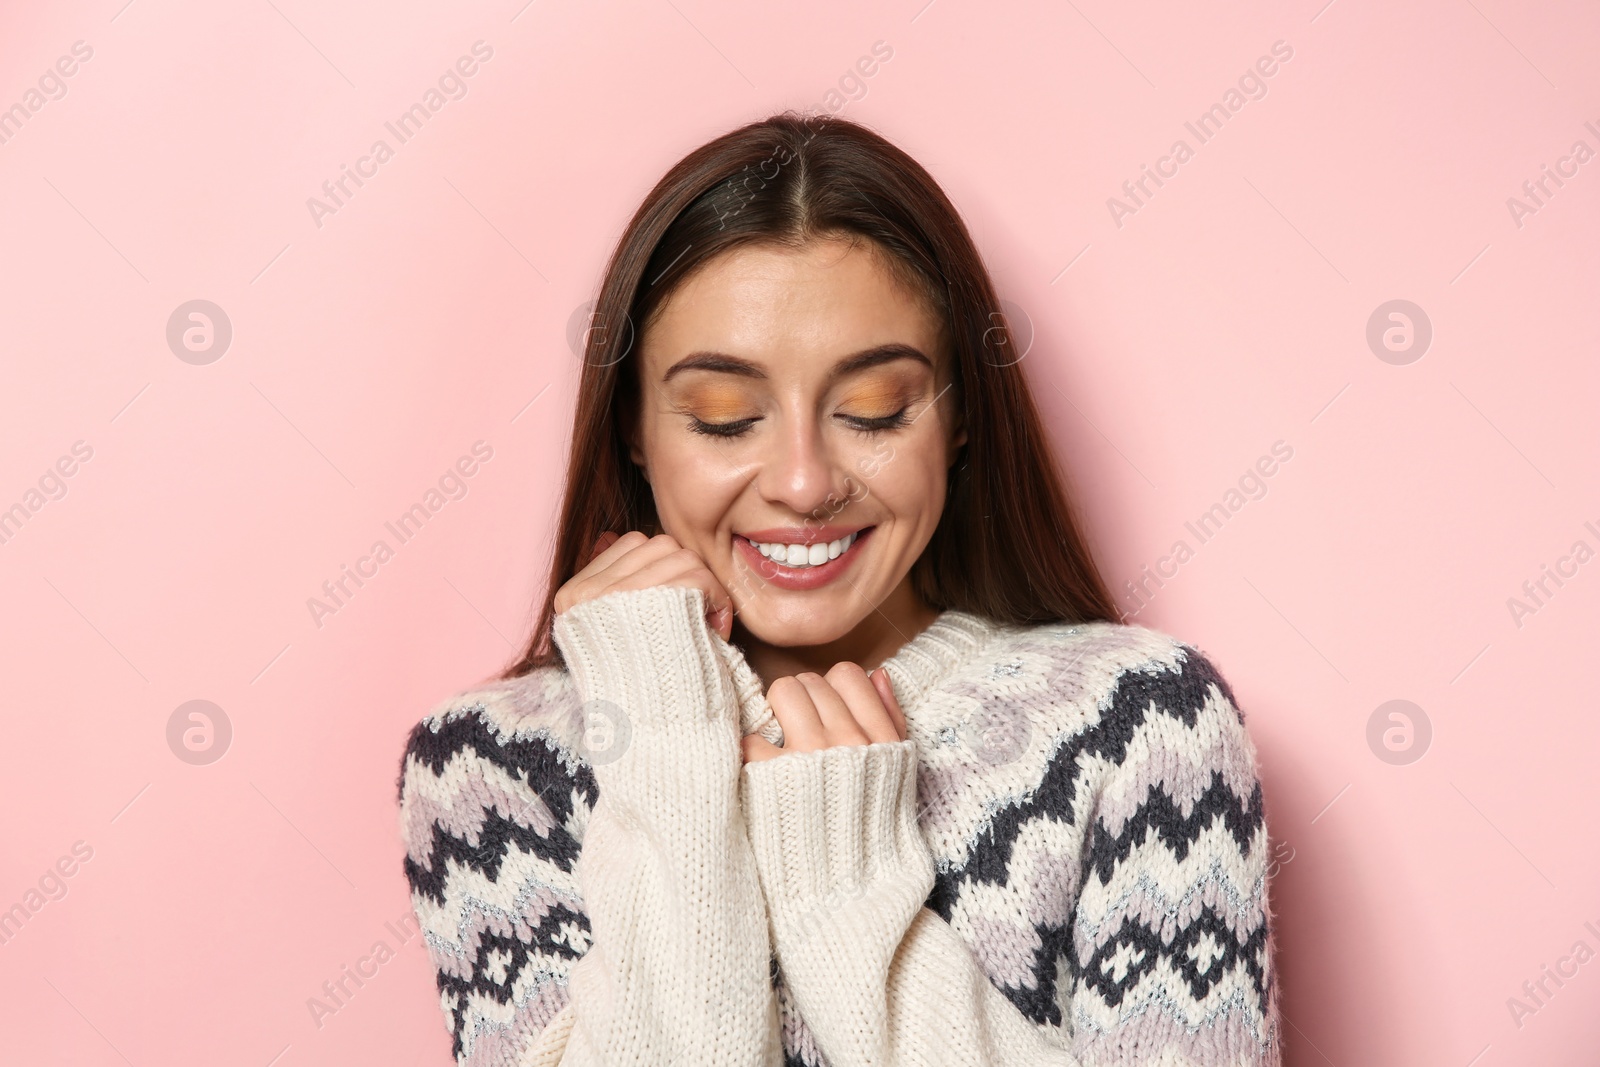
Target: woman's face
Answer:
[[797, 427]]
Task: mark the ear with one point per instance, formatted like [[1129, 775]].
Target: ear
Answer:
[[958, 438], [958, 422], [630, 435]]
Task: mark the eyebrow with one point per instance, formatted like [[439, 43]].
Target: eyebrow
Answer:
[[726, 364]]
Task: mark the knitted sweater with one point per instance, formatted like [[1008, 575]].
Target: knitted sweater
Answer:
[[1064, 863]]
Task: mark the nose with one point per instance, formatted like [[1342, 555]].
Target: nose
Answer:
[[798, 470]]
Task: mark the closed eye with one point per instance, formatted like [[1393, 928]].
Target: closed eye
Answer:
[[876, 425], [721, 429], [739, 427]]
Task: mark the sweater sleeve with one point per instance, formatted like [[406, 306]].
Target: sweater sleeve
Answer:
[[1166, 963], [664, 957], [878, 977], [1171, 951], [491, 825]]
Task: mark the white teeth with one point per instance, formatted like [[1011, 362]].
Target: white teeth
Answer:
[[799, 556]]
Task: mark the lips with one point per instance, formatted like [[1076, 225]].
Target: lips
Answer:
[[801, 535], [760, 550], [800, 554]]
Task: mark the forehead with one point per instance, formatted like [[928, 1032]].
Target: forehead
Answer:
[[791, 307]]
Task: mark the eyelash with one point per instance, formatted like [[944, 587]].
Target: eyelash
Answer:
[[860, 425]]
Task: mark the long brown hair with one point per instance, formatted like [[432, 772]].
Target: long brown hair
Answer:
[[1008, 545]]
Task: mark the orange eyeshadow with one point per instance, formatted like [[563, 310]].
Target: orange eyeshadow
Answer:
[[875, 399], [718, 405]]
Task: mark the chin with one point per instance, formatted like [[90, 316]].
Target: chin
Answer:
[[811, 620]]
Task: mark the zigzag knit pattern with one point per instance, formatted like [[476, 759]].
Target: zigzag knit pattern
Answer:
[[1089, 794]]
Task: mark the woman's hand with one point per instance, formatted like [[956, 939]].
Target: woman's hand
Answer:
[[634, 561], [847, 707]]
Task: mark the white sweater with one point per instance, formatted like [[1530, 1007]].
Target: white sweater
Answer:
[[1064, 863]]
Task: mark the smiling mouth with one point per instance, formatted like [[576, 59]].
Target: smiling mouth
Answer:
[[801, 556], [770, 559]]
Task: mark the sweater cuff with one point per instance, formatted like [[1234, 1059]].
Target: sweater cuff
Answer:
[[649, 652], [835, 832]]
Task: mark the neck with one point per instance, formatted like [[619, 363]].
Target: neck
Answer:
[[901, 616]]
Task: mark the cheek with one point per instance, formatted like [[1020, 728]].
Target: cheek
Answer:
[[694, 486], [907, 478]]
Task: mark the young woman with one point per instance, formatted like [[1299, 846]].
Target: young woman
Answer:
[[828, 747]]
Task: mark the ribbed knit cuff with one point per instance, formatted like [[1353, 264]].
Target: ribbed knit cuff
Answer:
[[835, 833], [755, 714], [648, 651]]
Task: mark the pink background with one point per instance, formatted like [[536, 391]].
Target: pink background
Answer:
[[430, 311]]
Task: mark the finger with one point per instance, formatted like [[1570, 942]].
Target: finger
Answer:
[[864, 701], [642, 554], [684, 568], [580, 587], [631, 553], [885, 688], [838, 724], [756, 748], [618, 546], [603, 559], [722, 621], [797, 715], [719, 602], [658, 569], [605, 541]]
